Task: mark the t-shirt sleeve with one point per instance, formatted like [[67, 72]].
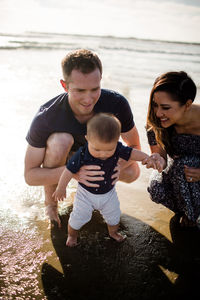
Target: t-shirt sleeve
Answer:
[[151, 138], [38, 132], [125, 114], [75, 162], [124, 151]]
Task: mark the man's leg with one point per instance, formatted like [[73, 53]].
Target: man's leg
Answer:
[[58, 148], [129, 171]]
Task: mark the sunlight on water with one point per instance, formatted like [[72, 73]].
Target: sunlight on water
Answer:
[[123, 18]]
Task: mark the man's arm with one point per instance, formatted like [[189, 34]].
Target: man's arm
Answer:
[[129, 170], [34, 173], [131, 138]]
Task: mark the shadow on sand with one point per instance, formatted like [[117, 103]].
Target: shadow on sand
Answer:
[[100, 268]]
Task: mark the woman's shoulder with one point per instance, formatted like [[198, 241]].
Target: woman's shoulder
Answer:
[[195, 130], [196, 109]]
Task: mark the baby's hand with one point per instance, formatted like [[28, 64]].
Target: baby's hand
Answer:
[[59, 194]]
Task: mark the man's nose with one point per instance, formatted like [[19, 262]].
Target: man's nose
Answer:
[[88, 98]]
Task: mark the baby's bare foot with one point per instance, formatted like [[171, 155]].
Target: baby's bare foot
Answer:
[[71, 241], [118, 237]]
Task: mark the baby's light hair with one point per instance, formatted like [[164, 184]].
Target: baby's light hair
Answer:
[[106, 127]]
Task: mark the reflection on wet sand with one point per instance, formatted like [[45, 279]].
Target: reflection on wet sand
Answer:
[[158, 260], [100, 268]]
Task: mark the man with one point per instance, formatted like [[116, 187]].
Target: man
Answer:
[[59, 127]]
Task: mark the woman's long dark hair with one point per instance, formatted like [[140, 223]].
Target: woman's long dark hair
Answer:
[[181, 88]]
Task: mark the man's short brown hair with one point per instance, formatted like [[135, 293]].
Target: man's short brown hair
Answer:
[[83, 60]]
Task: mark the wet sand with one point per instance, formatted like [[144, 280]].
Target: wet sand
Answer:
[[158, 260]]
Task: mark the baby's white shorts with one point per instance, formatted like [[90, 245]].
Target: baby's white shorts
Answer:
[[85, 202]]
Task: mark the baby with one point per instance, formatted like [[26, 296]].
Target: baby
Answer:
[[103, 149]]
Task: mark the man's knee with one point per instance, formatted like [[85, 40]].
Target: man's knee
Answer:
[[130, 174], [58, 148], [135, 173]]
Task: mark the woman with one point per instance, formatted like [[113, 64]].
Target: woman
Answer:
[[173, 130]]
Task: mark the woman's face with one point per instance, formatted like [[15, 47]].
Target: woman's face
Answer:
[[168, 111]]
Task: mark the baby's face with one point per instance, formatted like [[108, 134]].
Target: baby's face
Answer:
[[101, 150]]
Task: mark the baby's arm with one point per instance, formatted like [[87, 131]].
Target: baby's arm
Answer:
[[60, 192], [138, 155], [145, 158]]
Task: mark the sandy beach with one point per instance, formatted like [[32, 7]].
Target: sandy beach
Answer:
[[158, 260]]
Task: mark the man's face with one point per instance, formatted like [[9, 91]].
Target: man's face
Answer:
[[83, 91]]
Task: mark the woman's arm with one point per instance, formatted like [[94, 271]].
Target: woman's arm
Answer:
[[160, 150]]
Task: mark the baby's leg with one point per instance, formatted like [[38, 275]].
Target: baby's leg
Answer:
[[72, 237], [80, 215], [113, 232], [111, 213]]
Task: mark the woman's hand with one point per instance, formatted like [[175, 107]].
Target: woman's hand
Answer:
[[155, 161], [192, 174], [89, 173]]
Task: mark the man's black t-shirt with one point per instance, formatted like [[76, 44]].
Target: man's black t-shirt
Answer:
[[56, 116]]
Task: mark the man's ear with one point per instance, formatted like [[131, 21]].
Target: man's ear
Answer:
[[64, 84]]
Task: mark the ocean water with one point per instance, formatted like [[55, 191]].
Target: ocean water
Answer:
[[29, 76]]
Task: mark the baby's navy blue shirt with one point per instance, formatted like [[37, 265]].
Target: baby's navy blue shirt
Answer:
[[83, 157]]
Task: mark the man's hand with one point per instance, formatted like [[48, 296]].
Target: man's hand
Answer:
[[89, 173], [116, 174]]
